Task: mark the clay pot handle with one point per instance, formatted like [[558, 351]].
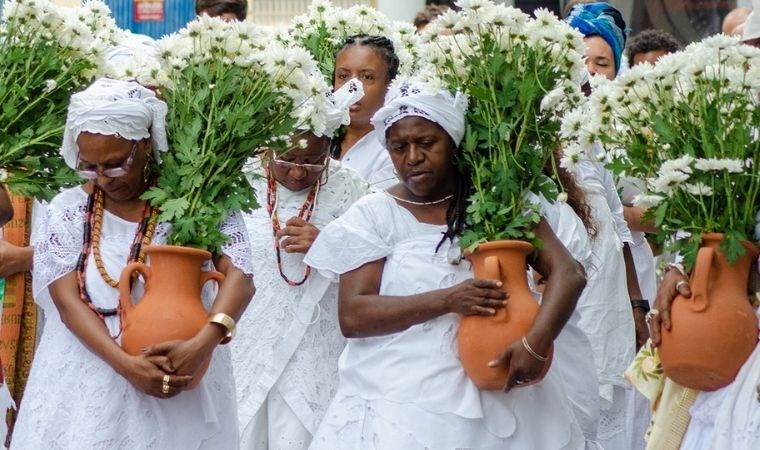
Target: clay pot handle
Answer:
[[700, 276], [213, 275], [491, 268], [125, 296]]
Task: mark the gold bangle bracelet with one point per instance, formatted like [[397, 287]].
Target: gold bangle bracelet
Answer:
[[533, 352], [227, 322]]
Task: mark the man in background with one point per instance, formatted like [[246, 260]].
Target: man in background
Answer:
[[229, 10], [651, 45]]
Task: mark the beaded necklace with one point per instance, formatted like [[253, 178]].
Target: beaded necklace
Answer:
[[91, 244], [305, 213]]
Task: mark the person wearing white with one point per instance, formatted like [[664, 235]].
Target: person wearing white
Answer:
[[285, 355], [373, 61], [83, 390], [402, 385]]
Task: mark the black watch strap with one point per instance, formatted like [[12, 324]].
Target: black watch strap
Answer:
[[640, 303]]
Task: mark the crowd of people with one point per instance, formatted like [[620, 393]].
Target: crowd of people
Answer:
[[348, 339]]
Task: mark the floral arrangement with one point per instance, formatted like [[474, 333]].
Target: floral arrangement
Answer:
[[230, 90], [520, 74], [689, 129], [324, 28], [46, 53]]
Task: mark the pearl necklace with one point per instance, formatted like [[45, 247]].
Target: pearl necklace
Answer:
[[434, 202]]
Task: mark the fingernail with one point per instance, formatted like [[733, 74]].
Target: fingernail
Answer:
[[144, 349], [493, 363], [498, 283]]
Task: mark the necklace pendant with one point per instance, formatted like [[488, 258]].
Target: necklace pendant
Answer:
[[454, 254]]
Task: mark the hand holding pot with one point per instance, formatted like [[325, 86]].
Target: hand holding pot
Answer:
[[673, 284], [187, 356], [524, 368], [146, 374], [476, 297]]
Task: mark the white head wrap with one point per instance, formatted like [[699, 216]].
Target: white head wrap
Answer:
[[413, 98], [115, 108], [338, 104], [752, 25]]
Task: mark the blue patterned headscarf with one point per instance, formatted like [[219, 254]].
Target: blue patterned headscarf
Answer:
[[600, 19]]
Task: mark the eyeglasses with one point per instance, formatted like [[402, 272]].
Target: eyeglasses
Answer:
[[90, 171], [311, 168]]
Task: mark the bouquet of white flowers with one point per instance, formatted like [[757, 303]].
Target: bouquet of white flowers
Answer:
[[324, 27], [689, 128], [520, 74], [231, 91], [46, 53]]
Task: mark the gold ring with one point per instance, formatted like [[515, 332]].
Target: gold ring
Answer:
[[679, 284], [165, 389], [166, 379]]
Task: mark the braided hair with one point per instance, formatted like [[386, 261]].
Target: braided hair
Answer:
[[382, 46]]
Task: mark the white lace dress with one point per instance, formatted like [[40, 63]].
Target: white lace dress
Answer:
[[74, 399], [371, 160], [407, 390], [288, 339]]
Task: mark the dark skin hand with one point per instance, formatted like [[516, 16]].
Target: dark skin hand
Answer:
[[6, 209], [14, 259]]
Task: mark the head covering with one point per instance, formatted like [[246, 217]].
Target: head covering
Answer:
[[115, 108], [752, 25], [601, 19], [338, 103], [413, 98]]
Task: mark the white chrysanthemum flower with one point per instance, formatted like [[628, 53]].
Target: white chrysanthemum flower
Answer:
[[50, 85], [717, 165], [668, 182], [647, 201], [682, 164], [572, 155], [698, 188]]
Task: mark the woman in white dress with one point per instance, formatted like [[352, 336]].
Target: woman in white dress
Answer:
[[84, 391], [612, 309], [373, 61], [402, 385], [285, 355]]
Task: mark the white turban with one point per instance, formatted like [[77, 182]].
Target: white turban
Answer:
[[412, 98], [114, 108], [337, 113]]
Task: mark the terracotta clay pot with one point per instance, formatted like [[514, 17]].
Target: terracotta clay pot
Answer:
[[171, 308], [483, 338], [713, 332]]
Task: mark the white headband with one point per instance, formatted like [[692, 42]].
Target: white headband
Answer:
[[411, 98], [114, 108]]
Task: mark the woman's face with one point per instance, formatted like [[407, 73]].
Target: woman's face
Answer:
[[599, 57], [99, 152], [423, 155], [299, 168], [366, 65]]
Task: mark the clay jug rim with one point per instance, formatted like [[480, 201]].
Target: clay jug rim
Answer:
[[750, 246], [524, 246], [178, 249]]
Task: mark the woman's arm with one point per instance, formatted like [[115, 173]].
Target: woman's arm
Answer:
[[634, 217], [364, 313], [234, 294], [565, 280], [146, 374]]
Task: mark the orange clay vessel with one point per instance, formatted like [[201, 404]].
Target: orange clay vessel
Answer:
[[171, 307], [713, 332], [484, 338]]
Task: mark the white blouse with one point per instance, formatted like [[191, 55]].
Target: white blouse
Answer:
[[371, 160]]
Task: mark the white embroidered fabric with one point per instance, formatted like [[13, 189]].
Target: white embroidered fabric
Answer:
[[289, 339], [79, 401], [408, 389]]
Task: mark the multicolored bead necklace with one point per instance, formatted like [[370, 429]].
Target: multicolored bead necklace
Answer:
[[93, 225], [305, 213]]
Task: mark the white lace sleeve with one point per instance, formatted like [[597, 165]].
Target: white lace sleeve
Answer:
[[238, 248], [357, 237], [58, 241]]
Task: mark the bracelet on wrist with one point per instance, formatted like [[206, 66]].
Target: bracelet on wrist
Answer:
[[677, 266], [533, 352], [641, 304], [225, 321]]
